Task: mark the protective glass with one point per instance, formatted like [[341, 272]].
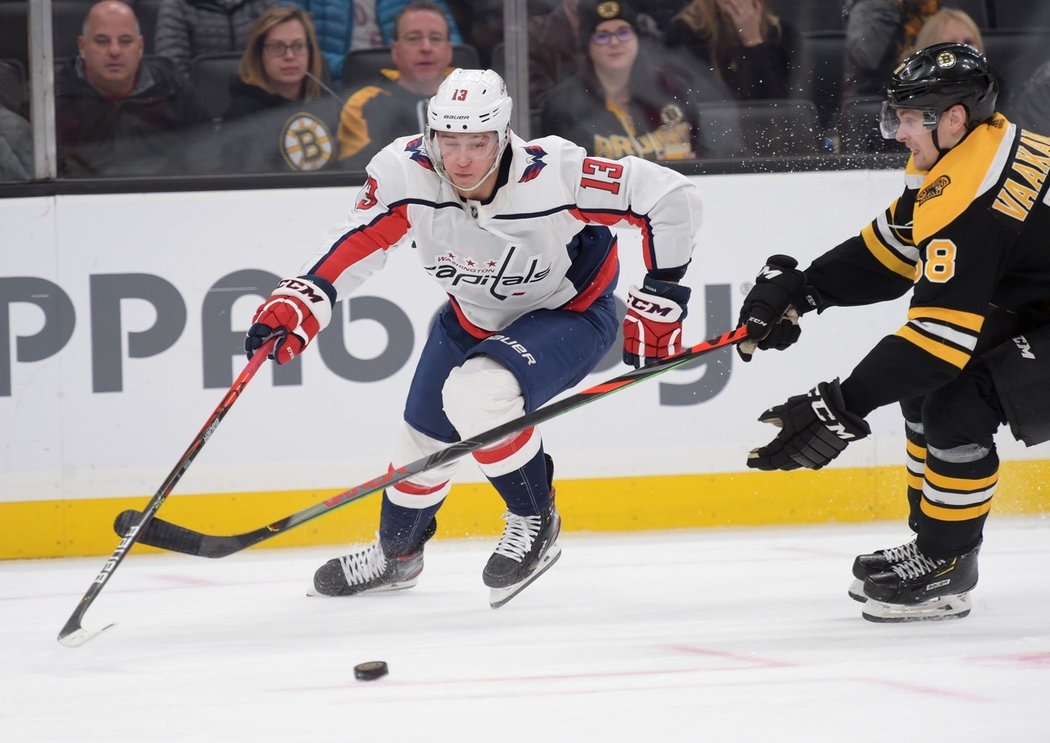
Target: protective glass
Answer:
[[622, 35], [890, 122]]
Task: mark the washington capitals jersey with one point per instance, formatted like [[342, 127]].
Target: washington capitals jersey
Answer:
[[540, 242], [971, 233]]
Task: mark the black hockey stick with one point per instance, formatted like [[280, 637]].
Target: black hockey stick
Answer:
[[169, 536], [72, 634]]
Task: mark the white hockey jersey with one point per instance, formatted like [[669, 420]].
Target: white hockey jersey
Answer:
[[530, 245]]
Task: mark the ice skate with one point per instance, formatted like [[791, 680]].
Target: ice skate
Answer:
[[878, 561], [527, 549], [922, 588], [369, 570]]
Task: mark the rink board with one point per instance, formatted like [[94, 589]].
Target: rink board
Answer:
[[119, 342]]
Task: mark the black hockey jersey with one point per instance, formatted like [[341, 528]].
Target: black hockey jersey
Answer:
[[970, 234]]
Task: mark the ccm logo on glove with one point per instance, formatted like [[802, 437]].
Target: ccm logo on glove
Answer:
[[652, 328], [298, 310]]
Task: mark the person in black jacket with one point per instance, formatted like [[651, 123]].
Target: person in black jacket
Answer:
[[625, 102], [282, 116], [741, 41], [117, 113]]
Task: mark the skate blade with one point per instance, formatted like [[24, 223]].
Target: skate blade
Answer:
[[311, 591], [499, 596], [945, 607], [856, 590]]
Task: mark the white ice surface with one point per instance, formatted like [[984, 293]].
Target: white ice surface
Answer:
[[713, 635]]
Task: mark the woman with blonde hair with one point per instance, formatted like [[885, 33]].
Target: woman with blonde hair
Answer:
[[742, 42], [282, 116], [949, 24]]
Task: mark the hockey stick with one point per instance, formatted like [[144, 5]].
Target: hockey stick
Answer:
[[169, 536], [72, 634]]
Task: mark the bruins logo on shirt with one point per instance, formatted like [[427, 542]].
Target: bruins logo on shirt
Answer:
[[306, 143], [933, 190]]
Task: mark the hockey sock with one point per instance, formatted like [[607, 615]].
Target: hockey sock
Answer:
[[401, 529], [957, 496], [525, 490], [916, 463]]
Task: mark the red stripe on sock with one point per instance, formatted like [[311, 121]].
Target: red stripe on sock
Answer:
[[502, 451]]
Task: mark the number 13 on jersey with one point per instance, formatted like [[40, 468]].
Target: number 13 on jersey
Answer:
[[607, 175]]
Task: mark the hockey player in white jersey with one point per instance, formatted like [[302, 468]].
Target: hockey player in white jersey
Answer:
[[517, 233]]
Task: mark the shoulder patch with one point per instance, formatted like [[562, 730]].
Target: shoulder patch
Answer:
[[933, 190], [417, 153], [536, 164]]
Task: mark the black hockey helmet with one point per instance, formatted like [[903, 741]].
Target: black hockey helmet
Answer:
[[936, 78]]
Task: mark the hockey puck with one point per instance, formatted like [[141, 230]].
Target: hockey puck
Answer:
[[371, 670]]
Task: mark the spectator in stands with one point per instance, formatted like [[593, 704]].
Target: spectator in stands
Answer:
[[1032, 110], [742, 42], [623, 103], [117, 114], [555, 53], [877, 34], [281, 115], [188, 28], [16, 147], [949, 24], [397, 106], [343, 25]]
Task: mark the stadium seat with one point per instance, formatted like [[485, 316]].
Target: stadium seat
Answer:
[[976, 9], [1017, 14], [818, 73], [858, 127], [1014, 55], [146, 11], [14, 31], [14, 90], [362, 66], [766, 128], [210, 75], [810, 15]]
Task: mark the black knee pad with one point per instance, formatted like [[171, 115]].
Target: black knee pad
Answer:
[[1020, 368]]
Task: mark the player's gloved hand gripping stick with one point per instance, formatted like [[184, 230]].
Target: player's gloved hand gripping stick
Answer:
[[166, 535]]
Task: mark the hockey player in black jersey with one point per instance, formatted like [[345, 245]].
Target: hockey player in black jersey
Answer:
[[970, 237]]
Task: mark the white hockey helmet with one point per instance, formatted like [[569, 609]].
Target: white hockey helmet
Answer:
[[469, 101]]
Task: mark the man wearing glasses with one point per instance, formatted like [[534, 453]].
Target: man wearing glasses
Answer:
[[397, 105]]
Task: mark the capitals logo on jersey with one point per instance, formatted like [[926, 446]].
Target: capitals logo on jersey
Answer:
[[536, 164], [418, 153]]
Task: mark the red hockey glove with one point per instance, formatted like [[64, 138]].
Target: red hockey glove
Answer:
[[652, 328], [771, 309], [816, 429], [297, 310]]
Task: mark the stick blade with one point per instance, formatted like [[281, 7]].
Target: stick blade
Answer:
[[74, 637]]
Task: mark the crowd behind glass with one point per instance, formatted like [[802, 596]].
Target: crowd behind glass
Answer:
[[217, 87]]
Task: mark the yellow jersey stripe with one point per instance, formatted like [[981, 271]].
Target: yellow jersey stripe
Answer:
[[885, 256], [932, 347], [968, 320], [916, 451]]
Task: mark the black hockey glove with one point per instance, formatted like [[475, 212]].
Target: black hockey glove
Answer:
[[767, 310], [816, 428]]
